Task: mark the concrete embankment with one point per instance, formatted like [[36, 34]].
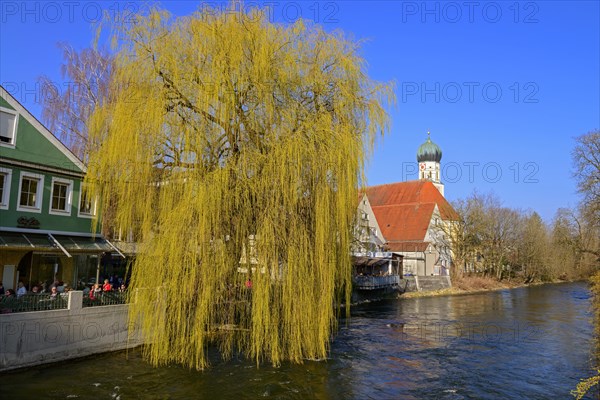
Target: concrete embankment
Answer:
[[39, 337], [427, 283]]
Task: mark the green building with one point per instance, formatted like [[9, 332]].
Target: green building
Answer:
[[45, 216]]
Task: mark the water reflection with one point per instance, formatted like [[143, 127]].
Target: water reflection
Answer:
[[532, 343], [523, 343]]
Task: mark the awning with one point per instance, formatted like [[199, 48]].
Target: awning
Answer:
[[82, 244], [45, 242], [369, 261], [27, 242], [127, 248]]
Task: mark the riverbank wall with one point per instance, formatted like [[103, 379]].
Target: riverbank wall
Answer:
[[39, 337], [427, 283]]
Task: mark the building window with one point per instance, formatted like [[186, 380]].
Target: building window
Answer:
[[62, 193], [59, 196], [87, 204], [8, 126], [5, 179], [117, 234], [124, 235], [30, 192]]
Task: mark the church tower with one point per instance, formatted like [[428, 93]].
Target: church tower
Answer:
[[429, 156]]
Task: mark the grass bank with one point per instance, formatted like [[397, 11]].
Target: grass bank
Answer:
[[474, 284]]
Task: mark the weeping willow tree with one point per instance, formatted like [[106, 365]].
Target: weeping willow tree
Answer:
[[234, 148]]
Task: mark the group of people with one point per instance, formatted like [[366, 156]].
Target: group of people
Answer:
[[54, 290], [59, 287], [96, 290]]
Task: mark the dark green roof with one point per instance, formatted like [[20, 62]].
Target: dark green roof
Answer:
[[429, 151]]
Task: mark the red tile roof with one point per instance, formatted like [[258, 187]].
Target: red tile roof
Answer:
[[404, 210], [404, 222]]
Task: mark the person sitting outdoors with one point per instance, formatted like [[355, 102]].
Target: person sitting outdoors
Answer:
[[54, 293], [7, 301], [107, 287], [21, 291], [95, 292]]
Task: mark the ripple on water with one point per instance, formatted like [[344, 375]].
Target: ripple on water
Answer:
[[373, 356]]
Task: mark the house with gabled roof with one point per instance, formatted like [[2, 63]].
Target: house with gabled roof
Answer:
[[413, 218], [368, 236], [45, 213]]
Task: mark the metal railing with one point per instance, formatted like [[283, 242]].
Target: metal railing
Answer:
[[373, 254], [33, 302], [367, 282], [105, 299]]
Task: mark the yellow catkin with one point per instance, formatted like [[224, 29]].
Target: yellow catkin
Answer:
[[233, 148]]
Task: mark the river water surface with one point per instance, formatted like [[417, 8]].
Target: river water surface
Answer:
[[526, 343]]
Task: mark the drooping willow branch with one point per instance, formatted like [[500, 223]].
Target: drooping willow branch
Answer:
[[236, 150]]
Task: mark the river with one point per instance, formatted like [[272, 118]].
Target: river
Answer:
[[525, 343]]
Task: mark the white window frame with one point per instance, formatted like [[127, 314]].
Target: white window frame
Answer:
[[117, 234], [5, 200], [39, 196], [15, 127], [94, 205], [69, 199]]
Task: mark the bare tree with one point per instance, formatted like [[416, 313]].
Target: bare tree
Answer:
[[460, 236], [533, 248], [485, 237], [586, 222], [586, 226], [586, 160], [496, 241], [67, 107], [564, 241], [493, 231], [580, 234]]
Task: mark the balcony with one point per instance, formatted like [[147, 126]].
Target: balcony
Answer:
[[373, 254], [369, 282]]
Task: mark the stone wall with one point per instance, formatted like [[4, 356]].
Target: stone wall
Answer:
[[40, 337], [427, 283]]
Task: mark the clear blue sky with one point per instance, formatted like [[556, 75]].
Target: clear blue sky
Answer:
[[504, 87]]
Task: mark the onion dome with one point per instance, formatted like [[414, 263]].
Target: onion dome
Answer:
[[429, 151]]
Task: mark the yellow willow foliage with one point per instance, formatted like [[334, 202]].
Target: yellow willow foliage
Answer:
[[234, 149]]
